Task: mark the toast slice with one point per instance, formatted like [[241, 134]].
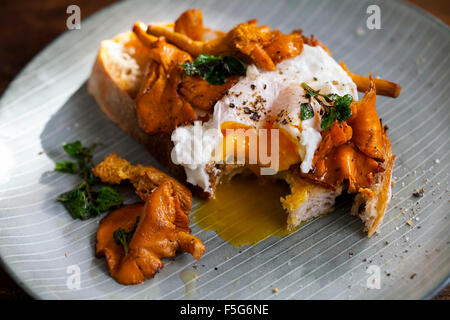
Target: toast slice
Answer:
[[370, 204], [114, 82]]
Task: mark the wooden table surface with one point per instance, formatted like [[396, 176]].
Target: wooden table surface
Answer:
[[27, 26]]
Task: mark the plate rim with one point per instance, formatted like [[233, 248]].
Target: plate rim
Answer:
[[34, 293]]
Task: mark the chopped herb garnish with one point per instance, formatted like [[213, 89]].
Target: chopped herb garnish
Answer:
[[107, 198], [339, 108], [121, 237], [86, 200], [309, 91], [77, 203], [328, 118], [215, 69], [66, 166], [306, 111], [84, 203], [330, 97], [342, 105], [73, 148]]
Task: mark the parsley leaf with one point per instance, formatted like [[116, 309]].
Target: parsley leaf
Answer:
[[121, 237], [77, 203], [83, 156], [84, 203], [306, 111], [86, 200], [339, 108], [107, 198], [330, 97], [215, 69], [328, 118], [66, 166], [73, 148], [309, 91], [342, 105]]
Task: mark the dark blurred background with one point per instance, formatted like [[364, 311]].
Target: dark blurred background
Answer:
[[27, 26]]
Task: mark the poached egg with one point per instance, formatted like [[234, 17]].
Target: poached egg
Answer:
[[261, 100]]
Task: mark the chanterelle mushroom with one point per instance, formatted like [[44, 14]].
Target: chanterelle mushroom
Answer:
[[162, 230], [113, 170]]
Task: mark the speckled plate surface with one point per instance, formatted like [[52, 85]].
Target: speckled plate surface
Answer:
[[48, 104]]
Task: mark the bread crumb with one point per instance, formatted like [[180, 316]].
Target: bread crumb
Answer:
[[409, 223], [419, 193], [275, 290]]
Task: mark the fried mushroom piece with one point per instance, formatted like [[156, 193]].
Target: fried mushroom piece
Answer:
[[190, 23], [345, 162], [202, 94], [113, 170], [384, 87], [253, 43], [159, 107], [366, 125], [162, 230]]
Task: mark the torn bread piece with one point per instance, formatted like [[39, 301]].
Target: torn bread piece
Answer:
[[307, 200], [370, 203]]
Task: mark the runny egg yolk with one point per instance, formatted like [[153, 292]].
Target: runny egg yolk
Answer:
[[240, 139], [244, 211]]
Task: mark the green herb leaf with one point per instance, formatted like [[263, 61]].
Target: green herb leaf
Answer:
[[306, 111], [76, 150], [215, 69], [107, 198], [328, 118], [342, 105], [339, 109], [84, 201], [77, 203], [234, 66], [72, 148], [121, 237], [205, 58], [89, 177], [66, 166], [330, 97], [309, 91]]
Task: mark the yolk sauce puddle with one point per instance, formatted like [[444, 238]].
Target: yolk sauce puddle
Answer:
[[189, 278], [245, 211]]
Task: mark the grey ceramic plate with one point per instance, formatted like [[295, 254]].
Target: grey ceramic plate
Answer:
[[327, 258]]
